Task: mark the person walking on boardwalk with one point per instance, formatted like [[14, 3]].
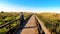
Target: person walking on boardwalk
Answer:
[[21, 18]]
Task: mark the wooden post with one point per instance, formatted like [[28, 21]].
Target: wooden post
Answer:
[[9, 27]]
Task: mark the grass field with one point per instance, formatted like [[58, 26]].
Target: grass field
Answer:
[[51, 21]]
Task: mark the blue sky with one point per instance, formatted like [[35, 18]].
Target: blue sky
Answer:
[[30, 5]]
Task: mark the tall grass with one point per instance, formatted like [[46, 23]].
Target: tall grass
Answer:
[[51, 21]]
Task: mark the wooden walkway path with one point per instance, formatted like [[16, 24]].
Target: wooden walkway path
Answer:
[[33, 26], [29, 28]]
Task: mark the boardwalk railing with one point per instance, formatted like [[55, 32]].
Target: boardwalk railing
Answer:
[[45, 30], [9, 26]]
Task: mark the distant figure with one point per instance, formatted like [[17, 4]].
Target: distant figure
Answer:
[[21, 18]]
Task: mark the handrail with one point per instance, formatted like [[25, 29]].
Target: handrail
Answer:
[[1, 26], [42, 26], [9, 26]]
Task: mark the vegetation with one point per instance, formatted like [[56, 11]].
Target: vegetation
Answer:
[[9, 16], [51, 21]]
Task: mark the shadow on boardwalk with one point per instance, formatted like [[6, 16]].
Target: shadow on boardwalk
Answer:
[[22, 25]]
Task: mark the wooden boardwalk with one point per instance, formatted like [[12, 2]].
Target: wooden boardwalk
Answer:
[[31, 25], [29, 28]]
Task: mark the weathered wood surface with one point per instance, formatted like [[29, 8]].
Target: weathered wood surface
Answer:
[[29, 28]]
